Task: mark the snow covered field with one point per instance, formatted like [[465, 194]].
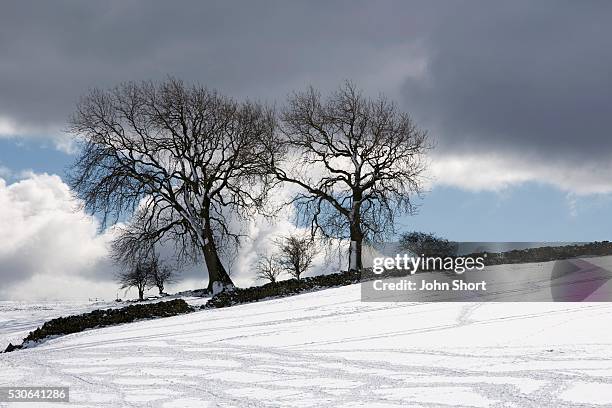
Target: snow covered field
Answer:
[[328, 348], [17, 319]]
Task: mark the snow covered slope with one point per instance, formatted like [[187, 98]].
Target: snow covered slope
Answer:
[[328, 348], [17, 318]]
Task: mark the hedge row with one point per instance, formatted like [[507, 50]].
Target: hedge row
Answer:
[[102, 318], [547, 254], [293, 286], [281, 289]]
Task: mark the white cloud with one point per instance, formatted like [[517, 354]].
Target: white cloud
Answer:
[[50, 249], [10, 128], [52, 134], [5, 172], [261, 235], [7, 127], [46, 239], [495, 172], [66, 144]]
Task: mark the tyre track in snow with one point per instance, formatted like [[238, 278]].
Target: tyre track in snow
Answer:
[[304, 351]]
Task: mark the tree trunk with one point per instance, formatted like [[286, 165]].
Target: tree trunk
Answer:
[[140, 294], [218, 278], [355, 250], [355, 261]]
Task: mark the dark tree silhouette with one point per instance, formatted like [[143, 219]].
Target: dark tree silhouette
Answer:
[[269, 268], [357, 161], [162, 274], [139, 276], [296, 254], [181, 159], [130, 246]]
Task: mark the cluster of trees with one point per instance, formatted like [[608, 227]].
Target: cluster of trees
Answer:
[[146, 273], [186, 165]]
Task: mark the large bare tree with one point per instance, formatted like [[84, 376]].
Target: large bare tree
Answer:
[[181, 159], [357, 162]]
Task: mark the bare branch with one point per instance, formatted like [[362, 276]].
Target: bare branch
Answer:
[[180, 159], [269, 268], [358, 161], [296, 254]]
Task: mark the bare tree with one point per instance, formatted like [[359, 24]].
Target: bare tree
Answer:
[[130, 247], [357, 161], [182, 160], [269, 268], [131, 244], [162, 274], [296, 254], [138, 276]]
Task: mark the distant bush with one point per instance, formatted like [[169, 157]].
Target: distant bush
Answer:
[[427, 244], [102, 318]]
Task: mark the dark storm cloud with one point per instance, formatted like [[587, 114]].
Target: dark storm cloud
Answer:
[[522, 77], [51, 52], [533, 78]]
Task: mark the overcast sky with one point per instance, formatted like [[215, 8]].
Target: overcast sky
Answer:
[[515, 94]]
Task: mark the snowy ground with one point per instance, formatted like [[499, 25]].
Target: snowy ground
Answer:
[[17, 319], [328, 348]]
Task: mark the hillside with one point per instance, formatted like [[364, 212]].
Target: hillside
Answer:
[[328, 348], [17, 319]]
